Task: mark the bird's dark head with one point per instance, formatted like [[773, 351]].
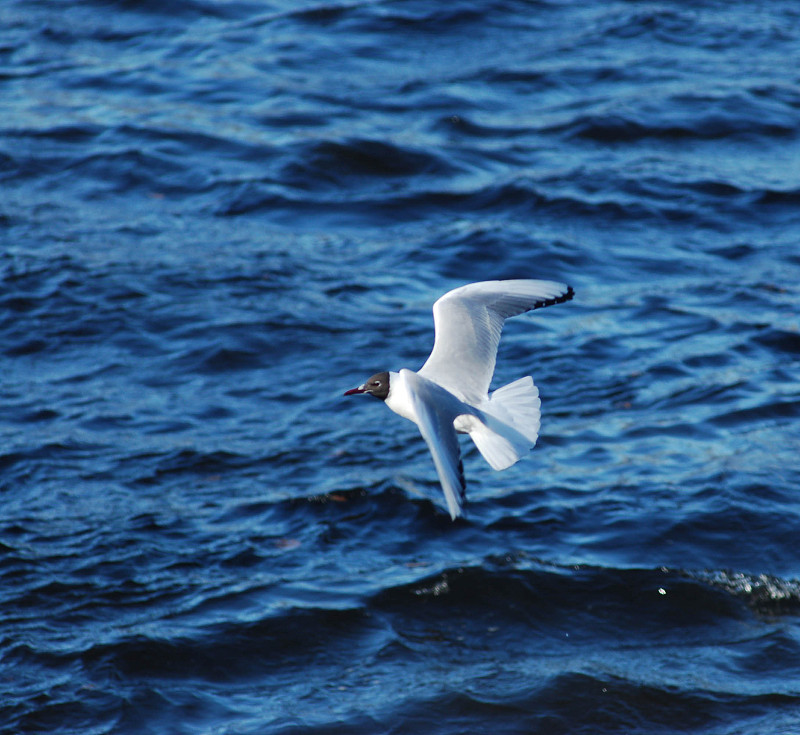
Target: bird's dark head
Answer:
[[377, 385]]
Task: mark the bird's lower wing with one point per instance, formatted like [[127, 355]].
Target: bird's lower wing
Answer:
[[440, 436]]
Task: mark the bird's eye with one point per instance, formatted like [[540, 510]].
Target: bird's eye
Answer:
[[376, 382]]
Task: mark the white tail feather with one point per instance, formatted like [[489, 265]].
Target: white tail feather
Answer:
[[511, 425], [518, 403]]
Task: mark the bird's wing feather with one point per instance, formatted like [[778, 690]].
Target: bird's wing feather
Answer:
[[468, 322], [436, 427]]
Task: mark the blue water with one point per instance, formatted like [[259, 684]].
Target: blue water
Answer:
[[218, 216]]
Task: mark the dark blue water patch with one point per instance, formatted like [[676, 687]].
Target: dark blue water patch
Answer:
[[413, 18], [335, 163], [778, 648], [436, 612], [779, 341], [527, 80], [605, 129], [780, 411], [27, 347], [582, 703], [467, 251], [237, 652], [182, 146], [664, 24], [585, 694], [465, 598], [40, 152], [211, 360], [322, 189], [516, 198], [127, 170], [56, 452], [464, 125], [194, 463]]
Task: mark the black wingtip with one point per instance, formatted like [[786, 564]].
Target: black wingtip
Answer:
[[566, 296]]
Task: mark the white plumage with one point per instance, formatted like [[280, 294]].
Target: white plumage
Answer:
[[450, 392]]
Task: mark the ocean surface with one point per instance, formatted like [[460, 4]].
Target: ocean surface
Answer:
[[216, 217]]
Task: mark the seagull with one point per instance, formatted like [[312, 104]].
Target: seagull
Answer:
[[449, 394]]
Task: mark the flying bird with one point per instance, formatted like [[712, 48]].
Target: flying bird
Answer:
[[450, 392]]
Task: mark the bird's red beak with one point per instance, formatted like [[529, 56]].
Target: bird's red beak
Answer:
[[353, 391]]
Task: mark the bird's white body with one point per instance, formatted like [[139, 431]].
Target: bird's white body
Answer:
[[406, 385], [450, 392]]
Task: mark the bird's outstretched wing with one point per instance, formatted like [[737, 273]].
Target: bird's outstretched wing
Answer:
[[469, 321], [436, 427]]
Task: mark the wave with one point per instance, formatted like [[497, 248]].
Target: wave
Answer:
[[690, 596], [617, 128], [512, 625], [334, 162], [487, 602]]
